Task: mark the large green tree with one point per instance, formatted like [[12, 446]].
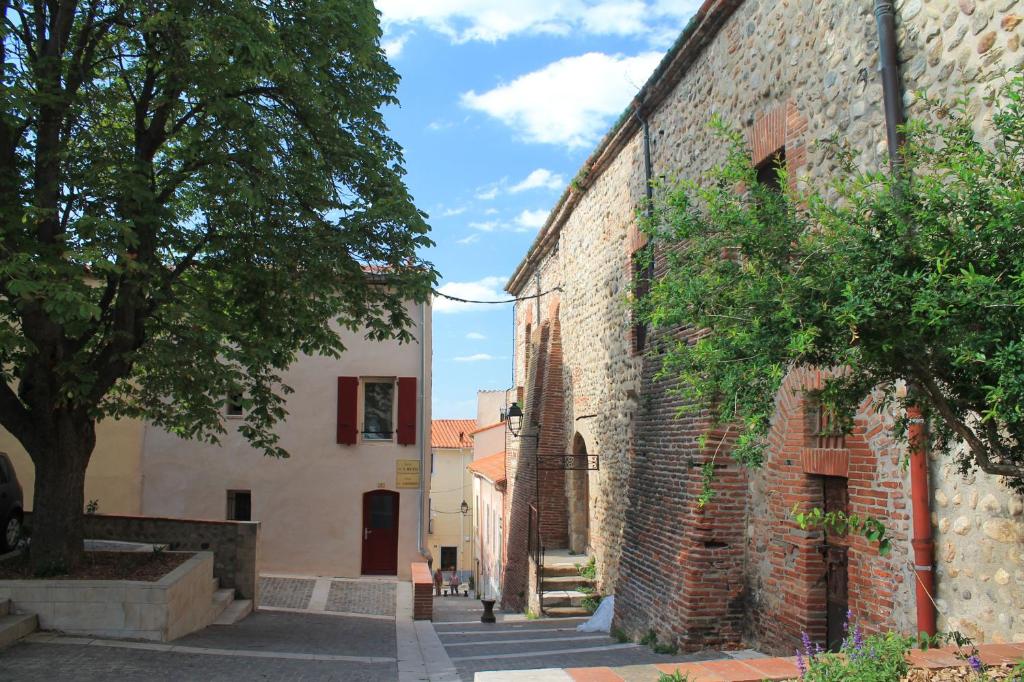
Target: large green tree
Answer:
[[191, 194], [914, 278]]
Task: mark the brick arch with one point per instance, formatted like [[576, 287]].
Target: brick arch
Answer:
[[788, 570], [782, 126], [577, 493]]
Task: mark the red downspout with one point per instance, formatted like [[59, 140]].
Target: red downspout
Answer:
[[920, 497]]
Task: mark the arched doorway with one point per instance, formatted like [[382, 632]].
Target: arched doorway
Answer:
[[578, 494]]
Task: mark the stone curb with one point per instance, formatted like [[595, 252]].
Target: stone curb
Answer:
[[756, 670]]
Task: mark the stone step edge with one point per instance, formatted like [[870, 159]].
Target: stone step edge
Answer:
[[14, 627], [235, 611]]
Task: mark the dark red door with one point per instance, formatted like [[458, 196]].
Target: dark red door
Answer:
[[380, 533]]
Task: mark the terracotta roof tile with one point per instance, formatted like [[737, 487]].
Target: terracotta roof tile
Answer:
[[486, 428], [491, 467], [451, 433]]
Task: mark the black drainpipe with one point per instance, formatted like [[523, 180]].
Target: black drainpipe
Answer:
[[892, 90]]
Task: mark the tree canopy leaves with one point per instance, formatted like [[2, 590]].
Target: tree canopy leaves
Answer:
[[191, 193]]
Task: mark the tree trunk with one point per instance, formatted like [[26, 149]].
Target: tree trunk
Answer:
[[60, 461]]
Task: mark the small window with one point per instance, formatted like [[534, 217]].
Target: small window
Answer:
[[449, 558], [239, 505], [234, 404], [378, 409], [641, 288], [768, 170]]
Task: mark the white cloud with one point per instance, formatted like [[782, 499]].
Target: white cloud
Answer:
[[487, 194], [531, 220], [569, 102], [491, 211], [541, 177], [471, 239], [476, 357], [437, 126], [486, 289], [476, 336], [448, 212], [394, 45], [485, 225], [493, 20]]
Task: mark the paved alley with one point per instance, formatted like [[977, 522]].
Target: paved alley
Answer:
[[307, 628], [518, 644]]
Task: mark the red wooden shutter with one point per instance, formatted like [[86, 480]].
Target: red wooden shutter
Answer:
[[407, 411], [348, 400]]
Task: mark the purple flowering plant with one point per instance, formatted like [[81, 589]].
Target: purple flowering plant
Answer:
[[861, 657]]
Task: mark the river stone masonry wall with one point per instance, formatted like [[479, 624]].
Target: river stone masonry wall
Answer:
[[787, 73]]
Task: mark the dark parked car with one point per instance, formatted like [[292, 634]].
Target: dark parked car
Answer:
[[11, 506]]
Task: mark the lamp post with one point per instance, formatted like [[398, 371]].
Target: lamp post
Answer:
[[515, 419]]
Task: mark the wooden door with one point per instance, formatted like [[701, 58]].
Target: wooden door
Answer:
[[836, 574], [380, 533]]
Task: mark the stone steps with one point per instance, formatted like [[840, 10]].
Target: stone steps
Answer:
[[15, 626], [567, 582], [235, 611], [566, 612], [561, 570], [559, 598]]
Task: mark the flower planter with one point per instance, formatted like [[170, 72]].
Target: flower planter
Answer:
[[162, 610]]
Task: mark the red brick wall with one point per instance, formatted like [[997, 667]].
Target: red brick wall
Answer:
[[422, 592], [681, 573], [553, 506], [521, 482], [787, 570]]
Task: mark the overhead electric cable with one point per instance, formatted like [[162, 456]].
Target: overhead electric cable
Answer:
[[509, 300]]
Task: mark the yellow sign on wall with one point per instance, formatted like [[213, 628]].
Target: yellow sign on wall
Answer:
[[407, 473]]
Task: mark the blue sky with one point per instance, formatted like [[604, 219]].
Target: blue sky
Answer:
[[501, 102]]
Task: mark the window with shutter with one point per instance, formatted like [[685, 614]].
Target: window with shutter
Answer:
[[407, 411], [348, 403]]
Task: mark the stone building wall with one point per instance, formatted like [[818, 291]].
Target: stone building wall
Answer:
[[979, 552], [788, 73], [601, 371]]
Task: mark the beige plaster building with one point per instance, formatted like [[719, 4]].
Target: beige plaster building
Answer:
[[114, 477], [350, 500], [488, 522], [450, 536]]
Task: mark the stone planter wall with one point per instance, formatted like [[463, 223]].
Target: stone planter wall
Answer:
[[175, 605], [235, 544]]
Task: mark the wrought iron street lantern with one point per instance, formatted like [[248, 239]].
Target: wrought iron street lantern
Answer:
[[464, 508], [515, 419]]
